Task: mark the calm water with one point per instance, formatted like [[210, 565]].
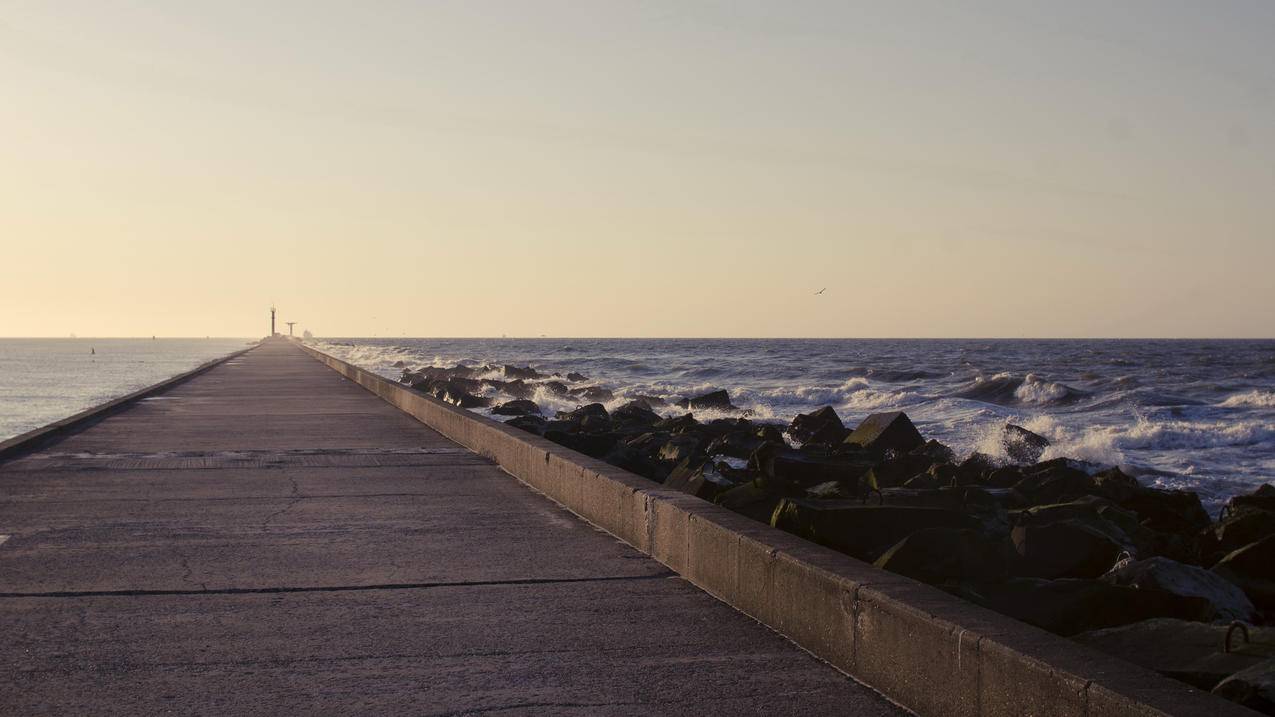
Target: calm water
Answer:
[[43, 380], [1196, 414]]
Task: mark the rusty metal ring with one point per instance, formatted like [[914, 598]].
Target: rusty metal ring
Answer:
[[1226, 642]]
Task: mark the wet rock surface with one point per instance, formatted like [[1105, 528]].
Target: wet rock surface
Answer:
[[1064, 545]]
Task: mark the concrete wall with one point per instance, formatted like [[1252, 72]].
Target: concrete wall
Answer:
[[927, 650]]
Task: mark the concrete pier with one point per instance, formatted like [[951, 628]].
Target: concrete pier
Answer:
[[269, 537]]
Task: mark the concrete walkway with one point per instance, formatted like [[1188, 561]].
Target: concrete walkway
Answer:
[[270, 538]]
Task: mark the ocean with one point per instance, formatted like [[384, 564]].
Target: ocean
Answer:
[[44, 380], [1193, 414]]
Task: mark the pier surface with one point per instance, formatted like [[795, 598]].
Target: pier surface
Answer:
[[268, 537]]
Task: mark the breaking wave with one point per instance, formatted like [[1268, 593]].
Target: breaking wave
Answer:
[[1031, 390]]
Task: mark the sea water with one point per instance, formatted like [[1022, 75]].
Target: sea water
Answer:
[[44, 380], [1196, 414]]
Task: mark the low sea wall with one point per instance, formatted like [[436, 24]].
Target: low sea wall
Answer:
[[929, 651]]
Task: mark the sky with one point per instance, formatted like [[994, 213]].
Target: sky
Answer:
[[682, 168]]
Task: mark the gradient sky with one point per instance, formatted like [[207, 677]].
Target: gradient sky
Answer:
[[638, 169]]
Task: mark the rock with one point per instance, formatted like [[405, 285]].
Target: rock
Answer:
[[936, 452], [594, 445], [454, 392], [635, 413], [1070, 606], [715, 401], [1067, 548], [400, 364], [555, 388], [684, 423], [753, 499], [1004, 477], [974, 469], [893, 472], [513, 372], [1113, 484], [1099, 514], [593, 410], [1021, 445], [651, 401], [1253, 688], [1240, 526], [739, 443], [679, 448], [592, 393], [1227, 601], [1252, 568], [1056, 481], [530, 424], [821, 426], [519, 389], [886, 431], [1192, 652], [517, 407], [576, 377], [792, 472], [936, 555], [1170, 511], [858, 530], [701, 481]]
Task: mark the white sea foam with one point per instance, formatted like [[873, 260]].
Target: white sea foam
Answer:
[[1250, 399]]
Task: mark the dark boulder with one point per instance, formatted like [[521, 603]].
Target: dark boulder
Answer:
[[821, 426], [702, 481], [651, 401], [517, 407], [753, 499], [556, 388], [1067, 548], [679, 448], [455, 392], [1192, 652], [594, 445], [592, 410], [592, 393], [862, 531], [684, 423], [1169, 511], [792, 472], [936, 555], [1227, 602], [1253, 688], [519, 389], [635, 413], [886, 431], [1070, 606], [514, 372], [576, 377], [936, 452], [893, 472], [1021, 445], [1238, 527], [1261, 499], [1252, 568], [530, 424], [714, 401]]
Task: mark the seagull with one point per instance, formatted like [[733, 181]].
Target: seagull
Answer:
[[821, 291]]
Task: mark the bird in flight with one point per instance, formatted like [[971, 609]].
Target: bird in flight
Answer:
[[821, 291]]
